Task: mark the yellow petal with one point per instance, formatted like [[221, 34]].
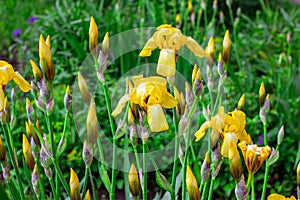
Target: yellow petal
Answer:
[[1, 98], [157, 119], [122, 102], [166, 65], [36, 71], [279, 197], [148, 48], [93, 34], [201, 132], [195, 48], [74, 185], [7, 72], [229, 142], [168, 101], [23, 84]]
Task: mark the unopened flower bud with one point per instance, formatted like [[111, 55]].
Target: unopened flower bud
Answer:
[[105, 44], [30, 111], [238, 11], [44, 90], [133, 134], [240, 189], [92, 123], [134, 184], [93, 36], [221, 70], [280, 135], [34, 149], [144, 134], [194, 73], [27, 151], [87, 195], [37, 74], [102, 63], [84, 90], [35, 180], [45, 154], [2, 152], [262, 94], [188, 95], [221, 16], [68, 98], [190, 6], [241, 103], [192, 185], [210, 49], [226, 47], [205, 170], [46, 59], [74, 186], [87, 154], [13, 96], [215, 5], [5, 169]]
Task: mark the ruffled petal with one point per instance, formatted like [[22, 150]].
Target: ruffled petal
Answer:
[[226, 146], [156, 118], [201, 132], [195, 48], [122, 102], [23, 84]]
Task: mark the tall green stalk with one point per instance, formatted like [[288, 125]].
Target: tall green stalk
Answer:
[[267, 167], [144, 171], [11, 154], [86, 176]]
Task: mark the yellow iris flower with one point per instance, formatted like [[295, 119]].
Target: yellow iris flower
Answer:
[[230, 127], [151, 95], [169, 40], [254, 156], [7, 74], [280, 197]]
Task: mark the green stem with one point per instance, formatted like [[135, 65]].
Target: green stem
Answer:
[[250, 177], [211, 188], [113, 176], [203, 197], [136, 157], [267, 166], [265, 135], [10, 190], [10, 151], [86, 176], [145, 171], [252, 189], [126, 166], [50, 130], [28, 177], [53, 188], [10, 137], [61, 177], [93, 186]]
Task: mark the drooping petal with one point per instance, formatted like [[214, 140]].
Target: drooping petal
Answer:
[[195, 48], [230, 141], [148, 48], [7, 72], [156, 118], [1, 98], [166, 65], [201, 132], [122, 102], [22, 83], [168, 101]]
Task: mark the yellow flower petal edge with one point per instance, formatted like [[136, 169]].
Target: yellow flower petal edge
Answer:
[[122, 102], [21, 82], [280, 197], [201, 132], [1, 99]]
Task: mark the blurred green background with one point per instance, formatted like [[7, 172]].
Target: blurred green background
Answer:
[[265, 48]]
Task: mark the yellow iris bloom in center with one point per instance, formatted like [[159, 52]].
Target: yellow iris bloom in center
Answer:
[[169, 40], [7, 74], [151, 95]]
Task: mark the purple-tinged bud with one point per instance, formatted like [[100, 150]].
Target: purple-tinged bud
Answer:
[[280, 135], [50, 106], [40, 104], [35, 180], [48, 172], [266, 106], [144, 134], [273, 157], [102, 61], [68, 98], [133, 135], [44, 91], [5, 169], [263, 116], [188, 96], [221, 16], [215, 5], [45, 154], [221, 70], [240, 189], [87, 154], [205, 168], [238, 11], [203, 5], [289, 37], [34, 149], [30, 111]]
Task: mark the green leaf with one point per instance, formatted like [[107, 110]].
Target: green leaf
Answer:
[[163, 182], [3, 194], [104, 177]]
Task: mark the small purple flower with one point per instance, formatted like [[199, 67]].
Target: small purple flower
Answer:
[[32, 19], [261, 139], [16, 33]]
